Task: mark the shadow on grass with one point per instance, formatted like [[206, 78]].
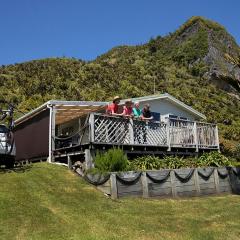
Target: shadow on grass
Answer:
[[16, 169]]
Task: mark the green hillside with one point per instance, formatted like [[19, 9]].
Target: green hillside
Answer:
[[198, 64], [46, 201]]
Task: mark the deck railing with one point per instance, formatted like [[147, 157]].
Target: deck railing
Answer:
[[174, 133]]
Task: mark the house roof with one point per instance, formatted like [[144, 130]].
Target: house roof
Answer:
[[72, 109], [169, 98]]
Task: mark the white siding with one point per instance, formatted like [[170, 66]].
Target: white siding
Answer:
[[165, 107]]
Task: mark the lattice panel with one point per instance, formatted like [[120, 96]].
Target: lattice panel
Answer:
[[150, 133], [111, 129]]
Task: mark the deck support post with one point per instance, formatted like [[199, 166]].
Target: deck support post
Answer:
[[89, 155], [113, 185], [91, 127], [195, 135], [144, 185], [69, 162]]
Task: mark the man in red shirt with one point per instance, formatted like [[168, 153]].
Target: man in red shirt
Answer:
[[113, 108]]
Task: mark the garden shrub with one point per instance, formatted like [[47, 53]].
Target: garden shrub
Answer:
[[212, 159], [174, 162], [154, 163], [113, 160], [145, 163]]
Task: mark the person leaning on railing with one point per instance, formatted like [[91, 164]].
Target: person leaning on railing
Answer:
[[138, 125], [113, 108], [137, 111], [128, 108], [146, 115]]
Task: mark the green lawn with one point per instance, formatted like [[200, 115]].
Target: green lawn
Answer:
[[46, 201]]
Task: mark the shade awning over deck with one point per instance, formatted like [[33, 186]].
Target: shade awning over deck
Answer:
[[65, 113], [65, 110]]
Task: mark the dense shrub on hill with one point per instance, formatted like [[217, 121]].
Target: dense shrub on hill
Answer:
[[182, 63]]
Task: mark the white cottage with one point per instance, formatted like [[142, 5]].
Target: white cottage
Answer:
[[60, 130]]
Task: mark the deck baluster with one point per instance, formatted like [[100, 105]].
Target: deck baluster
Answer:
[[131, 132], [168, 135], [217, 138], [195, 136]]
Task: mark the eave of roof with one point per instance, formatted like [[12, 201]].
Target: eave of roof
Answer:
[[32, 113]]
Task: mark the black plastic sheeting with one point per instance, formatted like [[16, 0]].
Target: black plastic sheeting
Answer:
[[234, 175], [205, 173], [186, 178], [97, 179], [158, 180], [132, 178], [222, 175], [128, 181]]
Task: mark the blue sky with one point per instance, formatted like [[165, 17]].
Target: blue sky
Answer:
[[34, 29]]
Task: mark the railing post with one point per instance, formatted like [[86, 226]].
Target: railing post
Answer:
[[195, 135], [91, 127], [131, 132], [217, 138], [168, 135]]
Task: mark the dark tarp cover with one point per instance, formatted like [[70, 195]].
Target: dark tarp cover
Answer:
[[32, 137]]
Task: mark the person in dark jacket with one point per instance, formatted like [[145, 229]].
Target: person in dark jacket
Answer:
[[146, 113], [146, 116]]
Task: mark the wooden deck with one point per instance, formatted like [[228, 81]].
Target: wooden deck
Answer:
[[103, 131]]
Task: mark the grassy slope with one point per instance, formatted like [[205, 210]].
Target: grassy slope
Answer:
[[50, 202]]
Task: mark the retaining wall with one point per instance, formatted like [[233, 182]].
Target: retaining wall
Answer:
[[169, 183]]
